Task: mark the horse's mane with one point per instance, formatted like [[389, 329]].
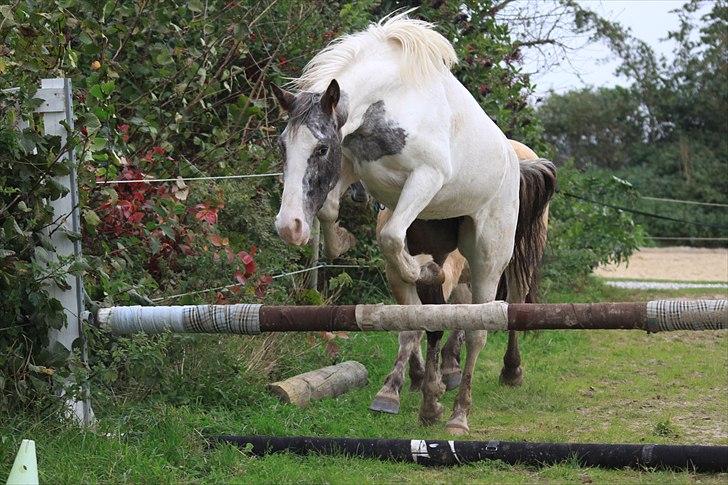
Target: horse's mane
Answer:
[[425, 52]]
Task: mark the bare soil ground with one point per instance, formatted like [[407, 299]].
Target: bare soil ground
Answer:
[[672, 264]]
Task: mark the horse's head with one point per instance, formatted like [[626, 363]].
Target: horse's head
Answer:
[[311, 147]]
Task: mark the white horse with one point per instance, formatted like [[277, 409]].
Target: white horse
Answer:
[[382, 106]]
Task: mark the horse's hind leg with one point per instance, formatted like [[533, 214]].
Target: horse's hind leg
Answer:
[[512, 373], [416, 367], [432, 387], [456, 290], [451, 374]]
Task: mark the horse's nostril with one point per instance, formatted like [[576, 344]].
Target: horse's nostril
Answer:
[[297, 226]]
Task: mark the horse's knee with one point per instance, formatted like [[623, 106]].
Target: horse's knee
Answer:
[[391, 242]]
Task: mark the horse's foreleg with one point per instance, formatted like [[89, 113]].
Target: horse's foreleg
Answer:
[[419, 189], [337, 240], [487, 257], [388, 398]]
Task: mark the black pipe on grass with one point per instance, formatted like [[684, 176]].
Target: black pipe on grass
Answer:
[[696, 458]]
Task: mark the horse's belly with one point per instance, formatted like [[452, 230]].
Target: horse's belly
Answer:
[[461, 196]]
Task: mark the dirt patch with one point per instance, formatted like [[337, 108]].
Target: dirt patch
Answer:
[[672, 264]]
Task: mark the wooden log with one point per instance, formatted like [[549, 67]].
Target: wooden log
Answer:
[[330, 381]]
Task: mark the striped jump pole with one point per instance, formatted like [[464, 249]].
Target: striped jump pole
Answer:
[[252, 319]]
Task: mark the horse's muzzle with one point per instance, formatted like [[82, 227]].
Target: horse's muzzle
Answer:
[[293, 230]]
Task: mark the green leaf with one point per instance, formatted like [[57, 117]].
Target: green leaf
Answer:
[[108, 87], [96, 91], [164, 58], [92, 123], [195, 6], [91, 218], [154, 245]]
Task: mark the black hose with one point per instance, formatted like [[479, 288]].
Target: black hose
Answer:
[[696, 458]]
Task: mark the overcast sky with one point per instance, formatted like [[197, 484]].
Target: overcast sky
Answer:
[[594, 65]]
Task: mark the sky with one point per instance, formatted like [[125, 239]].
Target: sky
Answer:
[[594, 65]]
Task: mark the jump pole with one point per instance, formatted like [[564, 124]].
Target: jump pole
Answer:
[[252, 319], [700, 458]]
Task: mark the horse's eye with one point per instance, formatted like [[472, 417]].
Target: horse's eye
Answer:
[[321, 150]]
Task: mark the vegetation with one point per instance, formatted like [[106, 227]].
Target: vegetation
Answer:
[[668, 125], [606, 386]]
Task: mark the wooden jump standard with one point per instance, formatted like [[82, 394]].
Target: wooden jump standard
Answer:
[[248, 319]]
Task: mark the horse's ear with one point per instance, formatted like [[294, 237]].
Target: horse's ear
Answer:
[[285, 99], [330, 97]]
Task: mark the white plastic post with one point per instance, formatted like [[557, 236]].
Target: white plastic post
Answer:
[[25, 466], [315, 253], [57, 108]]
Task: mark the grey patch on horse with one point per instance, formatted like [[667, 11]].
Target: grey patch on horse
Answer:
[[377, 136], [322, 170]]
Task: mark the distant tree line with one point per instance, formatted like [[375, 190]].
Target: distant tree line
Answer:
[[667, 132]]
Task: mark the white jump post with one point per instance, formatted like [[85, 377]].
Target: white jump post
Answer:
[[57, 107], [315, 253]]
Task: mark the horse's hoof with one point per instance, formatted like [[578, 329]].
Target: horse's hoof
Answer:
[[511, 377], [456, 429], [431, 274], [385, 404], [429, 417], [451, 380]]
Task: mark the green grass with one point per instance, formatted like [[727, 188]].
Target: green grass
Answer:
[[601, 386]]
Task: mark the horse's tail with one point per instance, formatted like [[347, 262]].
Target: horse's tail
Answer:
[[537, 186]]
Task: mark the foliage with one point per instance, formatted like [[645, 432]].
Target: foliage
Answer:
[[28, 263], [668, 125], [583, 234]]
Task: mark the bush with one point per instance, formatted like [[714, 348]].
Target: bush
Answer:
[[584, 234]]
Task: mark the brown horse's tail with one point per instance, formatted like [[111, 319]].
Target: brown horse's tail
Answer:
[[537, 186]]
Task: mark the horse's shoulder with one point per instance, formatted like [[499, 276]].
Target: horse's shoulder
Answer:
[[377, 134]]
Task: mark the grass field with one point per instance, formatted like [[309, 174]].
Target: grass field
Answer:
[[619, 386]]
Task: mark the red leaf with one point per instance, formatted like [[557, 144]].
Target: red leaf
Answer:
[[124, 130], [218, 241], [240, 277], [245, 257], [136, 217], [263, 283], [206, 214], [253, 250], [248, 261]]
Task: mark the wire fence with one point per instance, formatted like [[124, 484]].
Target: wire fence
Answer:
[[316, 267], [319, 265]]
